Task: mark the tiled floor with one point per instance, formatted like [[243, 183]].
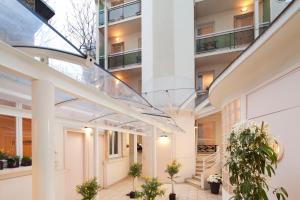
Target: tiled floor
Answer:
[[184, 192]]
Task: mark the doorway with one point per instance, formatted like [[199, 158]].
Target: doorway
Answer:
[[74, 163]]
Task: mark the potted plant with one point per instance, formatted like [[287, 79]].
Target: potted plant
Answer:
[[89, 189], [135, 171], [252, 161], [13, 161], [214, 181], [26, 161], [151, 189], [172, 170], [3, 157]]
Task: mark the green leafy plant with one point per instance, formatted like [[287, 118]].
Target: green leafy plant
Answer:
[[26, 161], [13, 161], [88, 189], [251, 161], [173, 169], [135, 170], [152, 189], [3, 155]]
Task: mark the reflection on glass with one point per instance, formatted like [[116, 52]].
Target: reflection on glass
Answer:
[[27, 141], [20, 27], [8, 134], [124, 11]]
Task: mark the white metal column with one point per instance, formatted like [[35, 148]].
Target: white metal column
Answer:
[[96, 155], [19, 131], [154, 157], [43, 176], [256, 18], [135, 160]]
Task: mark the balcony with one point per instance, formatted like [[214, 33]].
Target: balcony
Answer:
[[236, 38], [228, 39], [124, 11], [120, 60]]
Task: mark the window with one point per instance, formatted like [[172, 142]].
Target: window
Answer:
[[204, 79], [115, 144], [243, 20], [118, 47], [8, 134], [206, 28], [27, 147]]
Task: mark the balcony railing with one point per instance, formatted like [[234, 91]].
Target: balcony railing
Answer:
[[119, 60], [123, 59], [201, 96], [101, 17], [227, 39], [124, 11]]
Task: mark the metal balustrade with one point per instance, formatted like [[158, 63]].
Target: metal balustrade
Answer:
[[202, 148], [227, 39], [124, 11], [122, 59]]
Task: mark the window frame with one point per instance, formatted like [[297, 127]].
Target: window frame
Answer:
[[19, 126], [111, 145]]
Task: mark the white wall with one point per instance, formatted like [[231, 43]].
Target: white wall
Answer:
[[278, 104], [130, 41], [16, 188]]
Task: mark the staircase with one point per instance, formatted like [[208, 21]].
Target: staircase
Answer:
[[206, 164]]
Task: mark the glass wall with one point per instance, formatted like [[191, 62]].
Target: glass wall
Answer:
[[27, 140], [8, 134]]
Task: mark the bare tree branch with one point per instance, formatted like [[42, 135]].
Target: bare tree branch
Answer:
[[81, 26]]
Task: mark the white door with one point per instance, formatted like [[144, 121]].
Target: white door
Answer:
[[74, 164]]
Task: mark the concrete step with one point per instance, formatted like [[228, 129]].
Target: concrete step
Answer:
[[193, 182], [198, 178]]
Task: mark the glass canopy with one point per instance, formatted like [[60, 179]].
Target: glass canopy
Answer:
[[20, 27]]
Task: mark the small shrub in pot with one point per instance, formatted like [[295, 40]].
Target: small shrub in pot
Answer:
[[13, 162], [26, 161], [135, 171], [215, 181], [172, 170], [3, 157], [89, 189]]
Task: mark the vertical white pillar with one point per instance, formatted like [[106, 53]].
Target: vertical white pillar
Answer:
[[135, 148], [154, 157], [256, 18], [43, 176], [96, 156], [19, 131]]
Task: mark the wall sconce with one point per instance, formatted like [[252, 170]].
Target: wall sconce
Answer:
[[87, 129], [164, 139], [278, 148], [117, 39], [244, 9]]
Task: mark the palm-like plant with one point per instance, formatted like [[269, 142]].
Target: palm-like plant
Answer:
[[135, 170], [172, 170]]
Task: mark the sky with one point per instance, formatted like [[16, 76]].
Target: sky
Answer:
[[63, 9]]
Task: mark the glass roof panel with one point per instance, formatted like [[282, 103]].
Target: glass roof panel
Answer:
[[22, 27]]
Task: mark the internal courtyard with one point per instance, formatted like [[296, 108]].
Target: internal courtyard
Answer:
[[149, 99]]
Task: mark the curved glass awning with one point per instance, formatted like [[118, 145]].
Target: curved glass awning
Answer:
[[24, 30]]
